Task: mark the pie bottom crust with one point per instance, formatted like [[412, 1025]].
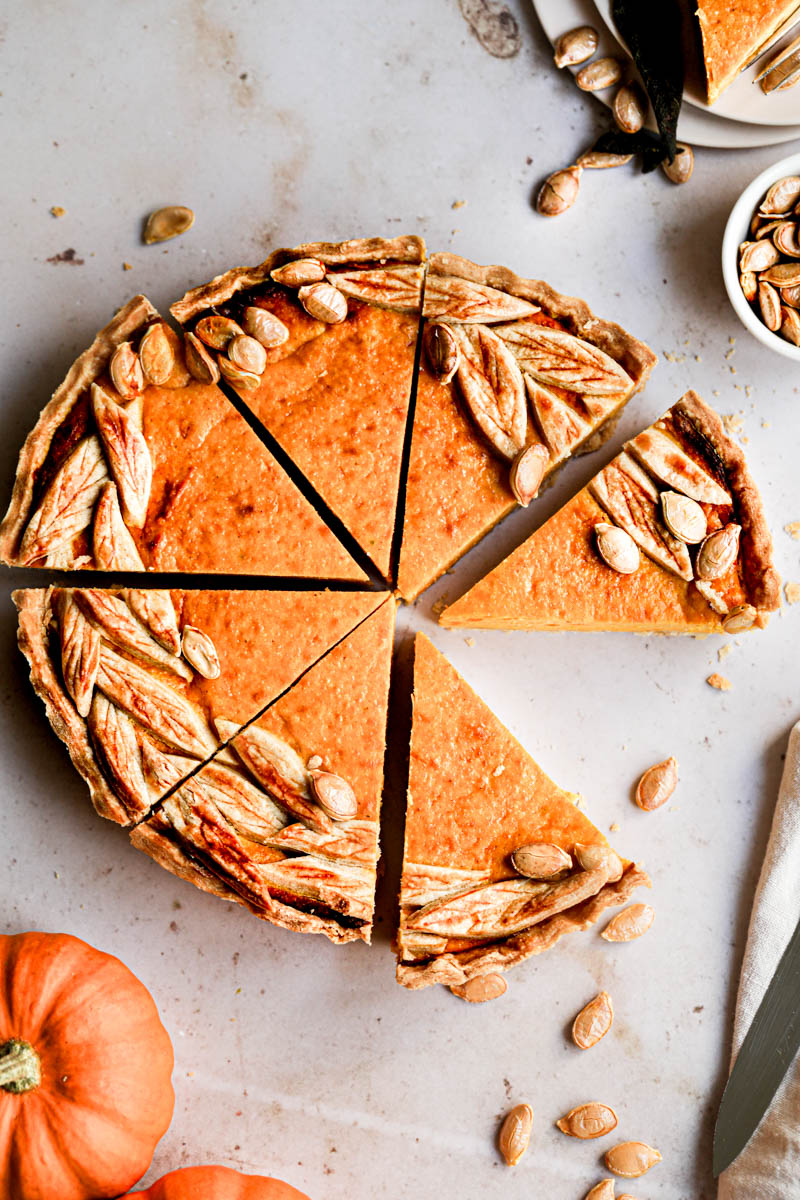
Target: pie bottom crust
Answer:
[[458, 968]]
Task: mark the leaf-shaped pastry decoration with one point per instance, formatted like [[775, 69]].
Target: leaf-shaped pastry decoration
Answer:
[[118, 625], [193, 814], [600, 407], [414, 944], [155, 609], [248, 808], [454, 300], [113, 736], [128, 455], [354, 841], [493, 389], [80, 651], [399, 288], [560, 359], [631, 500], [422, 884], [113, 547], [500, 909], [279, 769], [162, 771], [562, 427], [667, 460], [154, 704], [342, 887], [67, 505]]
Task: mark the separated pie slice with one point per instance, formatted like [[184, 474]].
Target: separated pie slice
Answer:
[[670, 537], [733, 35], [513, 380], [126, 674], [140, 463], [319, 343], [287, 823], [475, 798]]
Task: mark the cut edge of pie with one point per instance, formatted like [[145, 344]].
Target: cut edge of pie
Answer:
[[105, 654], [113, 464], [732, 37], [557, 580], [474, 796], [247, 830], [500, 300]]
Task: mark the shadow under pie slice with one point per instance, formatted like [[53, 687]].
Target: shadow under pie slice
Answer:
[[137, 464], [143, 686], [330, 376], [508, 366], [475, 798], [669, 537], [287, 824]]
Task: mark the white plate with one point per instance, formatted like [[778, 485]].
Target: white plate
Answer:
[[744, 99], [698, 126]]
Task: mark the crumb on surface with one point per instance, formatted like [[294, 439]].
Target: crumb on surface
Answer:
[[126, 266], [57, 211], [793, 530], [792, 593], [720, 682], [470, 641], [614, 827], [724, 651], [458, 204]]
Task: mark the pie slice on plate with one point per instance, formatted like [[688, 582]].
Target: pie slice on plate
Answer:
[[136, 464], [670, 537], [474, 798], [126, 674], [287, 825], [509, 368], [733, 34], [332, 374]]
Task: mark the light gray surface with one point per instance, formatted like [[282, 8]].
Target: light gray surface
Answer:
[[288, 121]]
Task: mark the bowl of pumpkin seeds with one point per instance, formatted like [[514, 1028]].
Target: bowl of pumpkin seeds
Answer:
[[761, 257]]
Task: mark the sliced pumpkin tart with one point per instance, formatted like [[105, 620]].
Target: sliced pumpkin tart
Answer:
[[670, 537], [514, 379], [137, 463], [126, 674], [287, 823], [480, 813], [734, 35], [330, 376]]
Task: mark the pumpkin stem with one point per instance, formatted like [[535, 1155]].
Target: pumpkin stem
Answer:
[[20, 1067]]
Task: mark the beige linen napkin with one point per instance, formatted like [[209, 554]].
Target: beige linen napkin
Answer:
[[769, 1166]]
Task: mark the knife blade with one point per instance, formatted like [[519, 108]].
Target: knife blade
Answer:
[[769, 1047]]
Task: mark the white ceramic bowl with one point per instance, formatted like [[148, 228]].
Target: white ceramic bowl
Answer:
[[738, 230]]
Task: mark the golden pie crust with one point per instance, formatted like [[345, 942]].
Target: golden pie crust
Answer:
[[457, 487], [556, 579], [219, 501], [474, 796]]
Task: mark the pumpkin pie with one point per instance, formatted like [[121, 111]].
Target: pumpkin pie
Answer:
[[475, 798], [733, 33], [514, 379], [137, 463], [670, 537], [128, 674], [331, 375], [287, 824]]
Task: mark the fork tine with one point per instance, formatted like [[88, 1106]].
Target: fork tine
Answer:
[[779, 58], [783, 74]]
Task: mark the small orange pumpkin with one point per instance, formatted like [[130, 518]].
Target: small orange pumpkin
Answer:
[[85, 1071], [216, 1183]]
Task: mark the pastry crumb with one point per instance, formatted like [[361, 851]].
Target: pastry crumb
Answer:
[[438, 607], [469, 642], [58, 211], [793, 530], [720, 682], [766, 424], [126, 266], [792, 593], [458, 204], [614, 827], [733, 423], [724, 651]]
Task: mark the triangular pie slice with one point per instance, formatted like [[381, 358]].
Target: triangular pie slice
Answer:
[[339, 324], [135, 464], [670, 537], [287, 825], [475, 796], [126, 673], [507, 364], [733, 36]]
